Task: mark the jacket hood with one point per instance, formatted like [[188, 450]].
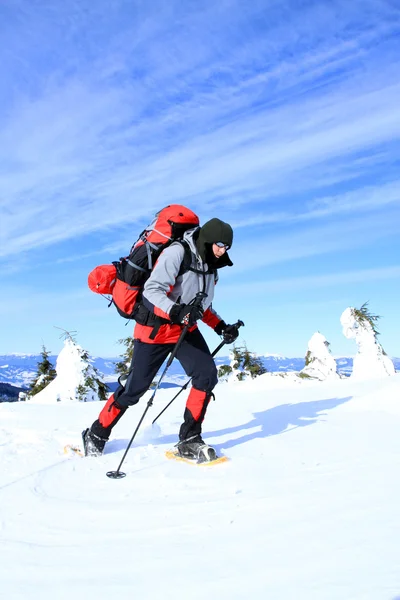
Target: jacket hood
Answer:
[[191, 238], [213, 231]]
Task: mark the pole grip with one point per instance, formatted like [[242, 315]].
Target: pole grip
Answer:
[[197, 300]]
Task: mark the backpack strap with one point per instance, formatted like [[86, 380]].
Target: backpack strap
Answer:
[[187, 262], [144, 316]]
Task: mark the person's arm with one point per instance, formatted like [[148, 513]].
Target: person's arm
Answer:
[[161, 280], [211, 318]]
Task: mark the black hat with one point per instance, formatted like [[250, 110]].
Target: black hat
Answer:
[[211, 232]]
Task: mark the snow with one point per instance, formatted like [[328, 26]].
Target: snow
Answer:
[[307, 507], [370, 360], [72, 373], [320, 362]]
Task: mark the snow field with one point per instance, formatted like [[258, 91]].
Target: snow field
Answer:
[[307, 508]]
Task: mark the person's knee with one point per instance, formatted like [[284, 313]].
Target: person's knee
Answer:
[[125, 400], [207, 379], [130, 393]]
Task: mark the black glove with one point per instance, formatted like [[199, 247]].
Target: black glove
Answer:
[[229, 332], [185, 314]]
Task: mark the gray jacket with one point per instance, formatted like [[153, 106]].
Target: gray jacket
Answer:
[[165, 286]]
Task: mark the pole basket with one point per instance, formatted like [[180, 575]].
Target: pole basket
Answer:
[[115, 474]]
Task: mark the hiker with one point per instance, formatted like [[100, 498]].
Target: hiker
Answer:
[[164, 310]]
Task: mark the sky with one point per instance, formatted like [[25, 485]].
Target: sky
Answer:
[[279, 117]]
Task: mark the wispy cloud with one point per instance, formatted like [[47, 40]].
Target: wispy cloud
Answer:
[[257, 252], [219, 107], [318, 281], [361, 200]]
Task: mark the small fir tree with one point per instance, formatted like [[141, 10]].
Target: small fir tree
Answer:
[[237, 357], [309, 358], [243, 364], [92, 380], [91, 385], [224, 371], [363, 315], [122, 367], [371, 360], [45, 373], [253, 364], [319, 362], [237, 363]]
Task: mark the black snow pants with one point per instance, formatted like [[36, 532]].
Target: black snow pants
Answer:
[[197, 362]]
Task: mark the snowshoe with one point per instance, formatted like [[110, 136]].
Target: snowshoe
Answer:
[[196, 449], [93, 444]]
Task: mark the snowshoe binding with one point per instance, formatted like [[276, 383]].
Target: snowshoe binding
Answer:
[[93, 444], [195, 448]]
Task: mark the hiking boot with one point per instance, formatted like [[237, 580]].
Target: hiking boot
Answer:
[[93, 444], [196, 449]]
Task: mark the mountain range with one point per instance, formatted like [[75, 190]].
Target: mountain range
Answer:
[[18, 370]]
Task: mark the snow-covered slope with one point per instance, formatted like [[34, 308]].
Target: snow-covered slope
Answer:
[[306, 509]]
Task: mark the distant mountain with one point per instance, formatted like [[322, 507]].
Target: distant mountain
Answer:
[[345, 365], [276, 363], [19, 369], [9, 393]]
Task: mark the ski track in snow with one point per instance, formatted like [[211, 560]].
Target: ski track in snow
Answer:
[[307, 507]]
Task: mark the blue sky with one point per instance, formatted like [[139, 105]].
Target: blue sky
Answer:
[[280, 117]]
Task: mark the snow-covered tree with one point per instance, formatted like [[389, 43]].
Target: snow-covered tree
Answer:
[[371, 359], [243, 365], [45, 373], [77, 379], [224, 372], [93, 386], [252, 364], [122, 367], [320, 363]]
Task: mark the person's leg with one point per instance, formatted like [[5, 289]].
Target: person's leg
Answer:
[[195, 357], [146, 361]]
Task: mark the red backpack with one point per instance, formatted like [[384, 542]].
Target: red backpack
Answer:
[[123, 280]]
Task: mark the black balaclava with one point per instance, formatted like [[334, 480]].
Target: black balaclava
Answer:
[[211, 232]]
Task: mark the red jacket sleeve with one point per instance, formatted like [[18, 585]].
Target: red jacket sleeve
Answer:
[[211, 318]]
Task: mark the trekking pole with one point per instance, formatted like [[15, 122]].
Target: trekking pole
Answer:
[[217, 349], [120, 474]]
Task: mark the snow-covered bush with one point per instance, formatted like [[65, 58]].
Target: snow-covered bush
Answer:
[[77, 379], [320, 363], [45, 374], [371, 359], [243, 365], [224, 371]]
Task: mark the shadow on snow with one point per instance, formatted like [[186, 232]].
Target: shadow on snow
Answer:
[[272, 421], [279, 419]]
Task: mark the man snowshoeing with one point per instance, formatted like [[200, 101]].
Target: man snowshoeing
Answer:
[[165, 309]]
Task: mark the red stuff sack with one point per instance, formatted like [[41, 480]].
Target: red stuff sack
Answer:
[[102, 279]]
